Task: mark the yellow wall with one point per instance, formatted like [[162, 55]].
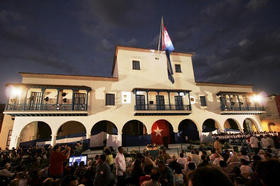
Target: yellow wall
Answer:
[[7, 125]]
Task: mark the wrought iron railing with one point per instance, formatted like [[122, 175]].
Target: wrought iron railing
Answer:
[[46, 107], [162, 107], [228, 108]]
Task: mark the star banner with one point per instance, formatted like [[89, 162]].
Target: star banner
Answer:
[[160, 129]]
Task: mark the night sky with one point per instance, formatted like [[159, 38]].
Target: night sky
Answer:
[[234, 41]]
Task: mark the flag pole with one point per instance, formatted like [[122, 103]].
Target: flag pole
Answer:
[[160, 33]]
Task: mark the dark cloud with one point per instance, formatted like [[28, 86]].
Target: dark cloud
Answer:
[[234, 41], [256, 4]]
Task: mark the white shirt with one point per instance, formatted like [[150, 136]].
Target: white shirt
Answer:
[[182, 161], [120, 164], [254, 142], [265, 143]]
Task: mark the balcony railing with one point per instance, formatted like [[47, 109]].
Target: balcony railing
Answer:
[[46, 107], [225, 108], [162, 107]]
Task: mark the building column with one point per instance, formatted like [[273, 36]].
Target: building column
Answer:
[[88, 135], [147, 94], [169, 100], [53, 140], [57, 98], [73, 99], [190, 103], [87, 101], [239, 103], [42, 97]]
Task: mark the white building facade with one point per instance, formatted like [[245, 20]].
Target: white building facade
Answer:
[[138, 102]]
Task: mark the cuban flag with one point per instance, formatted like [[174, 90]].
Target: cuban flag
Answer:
[[168, 47], [166, 41]]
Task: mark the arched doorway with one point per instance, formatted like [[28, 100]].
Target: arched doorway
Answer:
[[187, 128], [71, 129], [162, 132], [209, 125], [231, 126], [249, 126], [271, 126], [104, 126], [134, 133], [34, 132]]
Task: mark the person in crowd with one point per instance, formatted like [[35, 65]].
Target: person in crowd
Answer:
[[268, 172], [226, 155], [80, 170], [166, 175], [147, 176], [103, 175], [136, 171], [120, 166], [264, 142], [57, 158], [69, 180], [165, 155], [204, 161], [182, 160], [195, 157], [178, 176], [147, 160], [217, 159], [109, 158], [5, 172], [246, 170], [254, 143], [217, 145], [208, 175], [155, 177]]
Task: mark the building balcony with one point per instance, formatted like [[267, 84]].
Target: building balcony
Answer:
[[46, 110], [150, 101], [153, 109], [47, 100], [242, 110], [240, 103]]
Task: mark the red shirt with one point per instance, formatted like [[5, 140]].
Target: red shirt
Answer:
[[56, 163]]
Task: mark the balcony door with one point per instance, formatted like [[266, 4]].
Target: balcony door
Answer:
[[179, 103], [79, 101], [160, 102], [140, 102], [35, 100]]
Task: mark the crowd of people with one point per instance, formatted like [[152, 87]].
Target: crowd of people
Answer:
[[256, 163]]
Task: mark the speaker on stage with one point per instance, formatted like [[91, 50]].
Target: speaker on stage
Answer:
[[165, 141]]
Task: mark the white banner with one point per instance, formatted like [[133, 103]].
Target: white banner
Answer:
[[114, 140], [98, 139]]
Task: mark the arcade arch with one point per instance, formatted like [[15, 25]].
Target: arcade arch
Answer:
[[188, 128], [231, 124], [134, 133], [249, 126], [134, 128], [162, 132], [104, 126], [210, 125], [36, 130], [71, 129]]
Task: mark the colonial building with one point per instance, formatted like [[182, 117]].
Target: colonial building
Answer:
[[138, 102], [270, 119]]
